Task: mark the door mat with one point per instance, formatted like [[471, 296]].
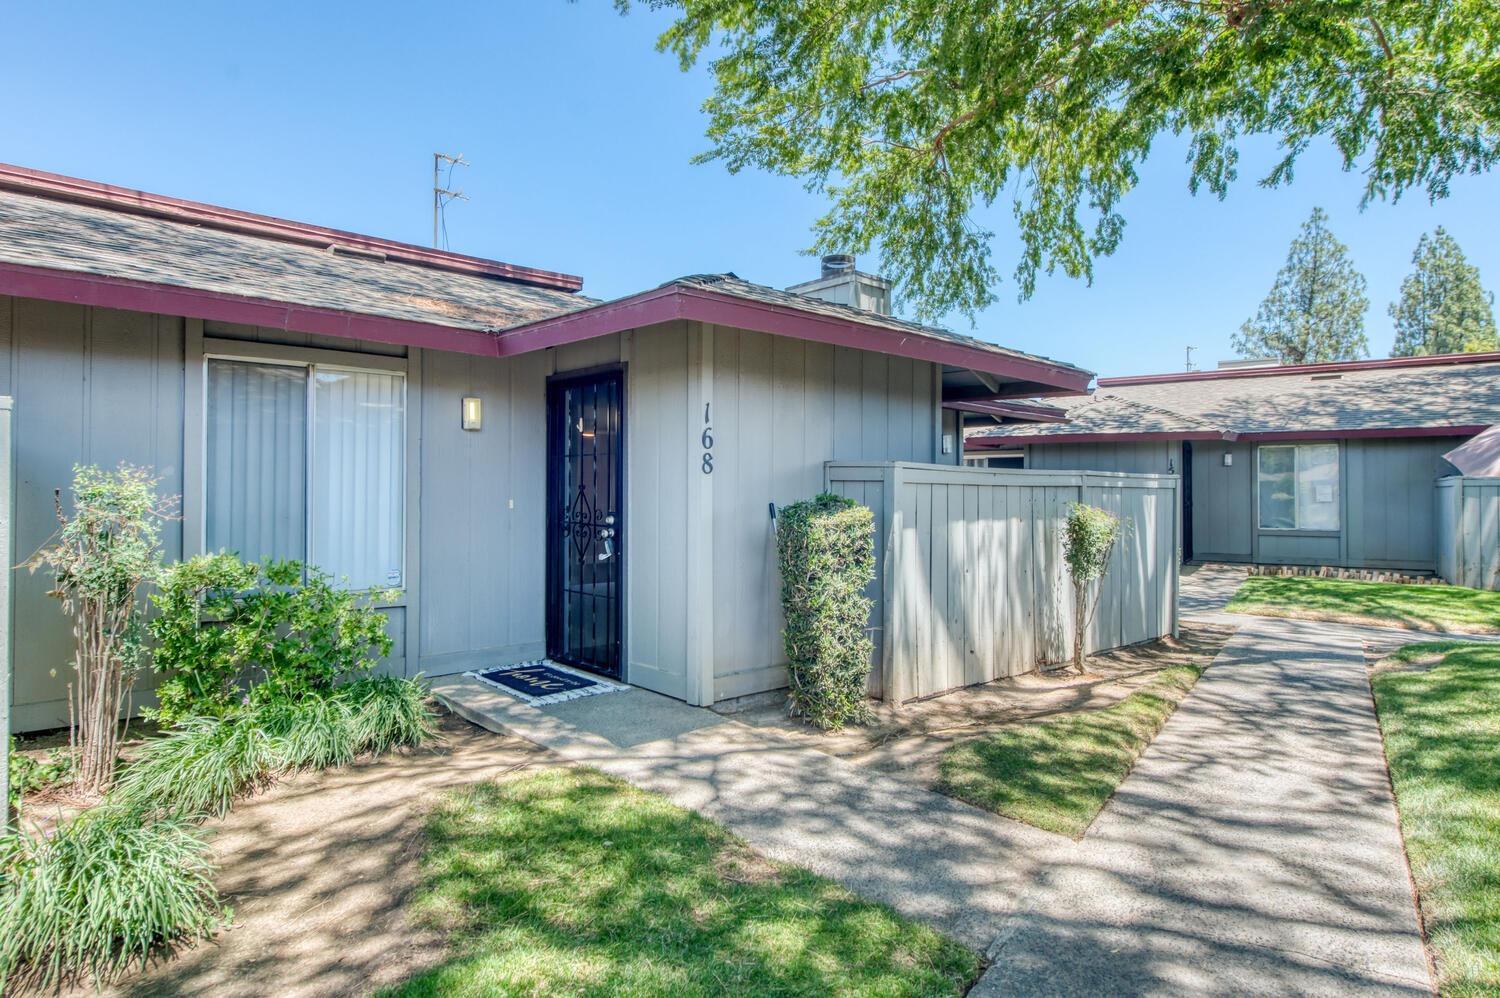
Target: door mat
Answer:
[[544, 682]]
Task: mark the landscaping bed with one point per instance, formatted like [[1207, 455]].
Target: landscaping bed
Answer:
[[1058, 773], [909, 741], [1439, 708], [1386, 604], [567, 881]]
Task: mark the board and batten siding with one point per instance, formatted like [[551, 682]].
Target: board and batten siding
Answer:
[[1154, 457], [1468, 530], [91, 386], [970, 582], [780, 410]]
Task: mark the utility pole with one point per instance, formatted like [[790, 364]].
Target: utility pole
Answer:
[[439, 192], [1189, 366]]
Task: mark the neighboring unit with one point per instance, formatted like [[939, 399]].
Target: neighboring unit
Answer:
[[1314, 465], [531, 471]]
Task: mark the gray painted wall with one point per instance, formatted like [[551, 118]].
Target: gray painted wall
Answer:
[[1386, 493], [95, 385]]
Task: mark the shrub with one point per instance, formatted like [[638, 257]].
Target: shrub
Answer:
[[101, 557], [826, 551], [280, 626], [28, 773], [200, 767], [102, 892], [1089, 538]]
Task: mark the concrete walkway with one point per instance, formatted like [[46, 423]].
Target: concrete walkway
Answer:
[[1253, 850]]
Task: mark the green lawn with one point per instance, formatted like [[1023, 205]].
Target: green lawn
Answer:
[[1427, 608], [1057, 774], [1442, 739], [569, 882]]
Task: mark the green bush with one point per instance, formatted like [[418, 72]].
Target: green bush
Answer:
[[102, 892], [1089, 538], [281, 627], [28, 773], [826, 551], [205, 763]]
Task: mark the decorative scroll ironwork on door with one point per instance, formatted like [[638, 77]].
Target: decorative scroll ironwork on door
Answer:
[[585, 528]]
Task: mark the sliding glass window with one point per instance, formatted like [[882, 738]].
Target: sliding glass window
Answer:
[[308, 462], [1298, 487]]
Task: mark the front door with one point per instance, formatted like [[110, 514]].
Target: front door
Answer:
[[586, 521]]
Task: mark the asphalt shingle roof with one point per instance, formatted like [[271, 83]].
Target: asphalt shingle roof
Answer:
[[1464, 394], [61, 235], [732, 284]]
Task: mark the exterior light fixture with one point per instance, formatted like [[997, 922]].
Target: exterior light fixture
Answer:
[[473, 413], [1228, 460]]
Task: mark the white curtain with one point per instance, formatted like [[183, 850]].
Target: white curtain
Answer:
[[358, 480], [257, 460]]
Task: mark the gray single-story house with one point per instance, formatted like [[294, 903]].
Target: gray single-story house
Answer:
[[533, 471], [1313, 465]]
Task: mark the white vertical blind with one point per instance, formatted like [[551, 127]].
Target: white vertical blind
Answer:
[[358, 482], [1318, 487], [257, 460]]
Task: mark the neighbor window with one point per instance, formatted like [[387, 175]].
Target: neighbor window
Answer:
[[1299, 487], [308, 462]]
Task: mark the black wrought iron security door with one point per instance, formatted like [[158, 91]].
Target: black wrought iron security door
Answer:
[[586, 521]]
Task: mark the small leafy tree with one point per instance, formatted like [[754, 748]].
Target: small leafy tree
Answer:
[[101, 558], [1089, 538], [1443, 308], [285, 630], [1315, 312], [826, 551]]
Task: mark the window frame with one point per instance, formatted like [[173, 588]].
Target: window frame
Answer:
[[1301, 531], [310, 360]]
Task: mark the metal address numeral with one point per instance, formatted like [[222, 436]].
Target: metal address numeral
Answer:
[[707, 440]]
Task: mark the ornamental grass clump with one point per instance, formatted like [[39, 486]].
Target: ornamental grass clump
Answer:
[[200, 767], [826, 551], [100, 894], [1089, 538]]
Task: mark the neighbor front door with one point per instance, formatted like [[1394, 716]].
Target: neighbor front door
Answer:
[[586, 521]]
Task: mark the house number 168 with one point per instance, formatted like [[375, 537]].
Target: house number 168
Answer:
[[707, 440]]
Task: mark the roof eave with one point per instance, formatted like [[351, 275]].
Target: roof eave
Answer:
[[139, 296], [675, 301]]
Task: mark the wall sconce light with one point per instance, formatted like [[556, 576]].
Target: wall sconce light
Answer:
[[1228, 460], [473, 413]]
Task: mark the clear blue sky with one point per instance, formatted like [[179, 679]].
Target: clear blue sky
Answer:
[[580, 135]]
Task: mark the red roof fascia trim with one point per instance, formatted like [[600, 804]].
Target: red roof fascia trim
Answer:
[[676, 302], [1335, 367], [138, 296], [61, 188], [1015, 410], [729, 310], [1366, 433], [986, 440]]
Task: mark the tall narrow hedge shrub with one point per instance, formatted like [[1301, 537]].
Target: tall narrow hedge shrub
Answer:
[[826, 550]]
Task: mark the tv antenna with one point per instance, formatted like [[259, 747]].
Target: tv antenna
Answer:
[[442, 193], [1189, 366]]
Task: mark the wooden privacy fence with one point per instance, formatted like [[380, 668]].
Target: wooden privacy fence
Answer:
[[970, 583], [1468, 531]]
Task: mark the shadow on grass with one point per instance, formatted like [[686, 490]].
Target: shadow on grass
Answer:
[[570, 881], [1418, 607], [1058, 774], [1442, 736]]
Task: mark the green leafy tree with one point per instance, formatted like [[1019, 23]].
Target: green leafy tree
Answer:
[[1090, 535], [1443, 308], [1315, 312], [911, 114]]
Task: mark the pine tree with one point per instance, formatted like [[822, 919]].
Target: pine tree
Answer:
[[1443, 308], [1315, 312]]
